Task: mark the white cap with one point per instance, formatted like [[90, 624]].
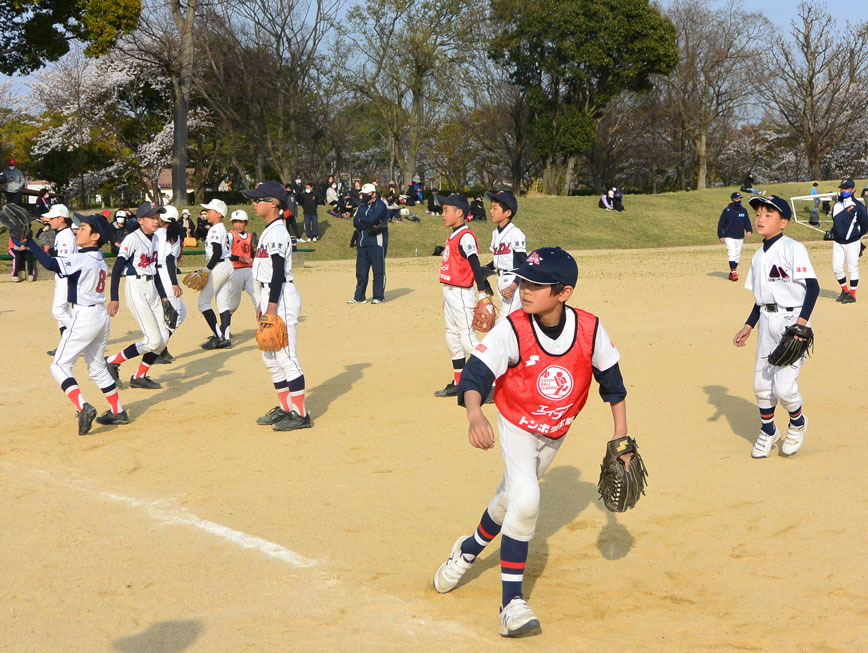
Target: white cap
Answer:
[[369, 188], [185, 212], [170, 214], [120, 213], [240, 214], [57, 211], [217, 205]]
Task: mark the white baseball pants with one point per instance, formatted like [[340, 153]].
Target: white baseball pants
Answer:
[[217, 285], [242, 280], [848, 254], [527, 456], [770, 382], [60, 303], [86, 334], [507, 306], [145, 305], [733, 248], [458, 307], [283, 365]]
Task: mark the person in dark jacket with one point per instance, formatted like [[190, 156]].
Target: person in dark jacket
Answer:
[[748, 182], [308, 203], [477, 209], [370, 222], [43, 204], [731, 228], [849, 225]]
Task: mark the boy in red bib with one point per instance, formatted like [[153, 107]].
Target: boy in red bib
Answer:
[[541, 359]]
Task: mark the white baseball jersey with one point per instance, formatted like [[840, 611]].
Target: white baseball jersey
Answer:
[[141, 254], [274, 240], [64, 244], [777, 276], [466, 242], [504, 243], [86, 273], [499, 349], [217, 235], [164, 250]]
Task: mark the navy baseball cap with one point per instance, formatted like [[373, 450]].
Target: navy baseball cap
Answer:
[[735, 196], [548, 266], [847, 182], [148, 209], [97, 223], [267, 189], [455, 200], [505, 198], [774, 201]]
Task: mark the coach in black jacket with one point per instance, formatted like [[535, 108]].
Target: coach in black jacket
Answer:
[[370, 221]]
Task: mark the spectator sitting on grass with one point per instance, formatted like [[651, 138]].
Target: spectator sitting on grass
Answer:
[[747, 184], [477, 209], [606, 201], [617, 200]]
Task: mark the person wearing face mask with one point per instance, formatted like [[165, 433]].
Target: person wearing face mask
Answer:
[[13, 181], [309, 201], [119, 230], [731, 228], [331, 198], [849, 224], [370, 223]]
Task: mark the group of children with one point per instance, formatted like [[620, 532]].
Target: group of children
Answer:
[[539, 358]]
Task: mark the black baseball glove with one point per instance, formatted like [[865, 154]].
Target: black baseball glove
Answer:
[[170, 315], [797, 341], [17, 220], [620, 487]]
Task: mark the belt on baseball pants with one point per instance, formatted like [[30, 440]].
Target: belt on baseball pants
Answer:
[[774, 308], [263, 284], [142, 276], [503, 273]]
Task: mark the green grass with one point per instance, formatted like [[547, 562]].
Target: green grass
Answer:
[[575, 223]]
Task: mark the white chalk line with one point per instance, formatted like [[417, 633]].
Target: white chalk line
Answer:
[[165, 513]]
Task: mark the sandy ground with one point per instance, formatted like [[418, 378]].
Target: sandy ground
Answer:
[[194, 529]]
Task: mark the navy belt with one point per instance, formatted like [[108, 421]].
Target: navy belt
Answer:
[[141, 276], [774, 308]]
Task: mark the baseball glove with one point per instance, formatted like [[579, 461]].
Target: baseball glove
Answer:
[[620, 488], [17, 220], [170, 315], [484, 315], [197, 280], [797, 341], [271, 334]]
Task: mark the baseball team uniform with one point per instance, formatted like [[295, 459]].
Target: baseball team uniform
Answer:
[[242, 244], [731, 227], [850, 224], [167, 269], [64, 245], [509, 246], [217, 253]]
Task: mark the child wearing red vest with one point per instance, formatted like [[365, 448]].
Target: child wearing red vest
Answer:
[[541, 359], [459, 270]]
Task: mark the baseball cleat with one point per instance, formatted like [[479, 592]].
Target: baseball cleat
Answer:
[[52, 352], [733, 276], [113, 370], [848, 298], [450, 572], [85, 418], [211, 343], [224, 343], [451, 390], [166, 356], [292, 422], [518, 620], [795, 436], [109, 418], [843, 294], [144, 382], [377, 301], [357, 301], [159, 360], [272, 416], [764, 443]]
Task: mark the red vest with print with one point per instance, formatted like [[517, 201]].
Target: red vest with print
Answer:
[[455, 269], [544, 393], [241, 247]]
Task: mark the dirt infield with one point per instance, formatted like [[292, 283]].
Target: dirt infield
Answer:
[[194, 529]]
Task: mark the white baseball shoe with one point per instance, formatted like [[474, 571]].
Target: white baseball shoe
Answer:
[[518, 620], [764, 443], [793, 441], [450, 572]]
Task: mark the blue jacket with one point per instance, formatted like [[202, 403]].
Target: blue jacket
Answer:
[[855, 215], [368, 215], [733, 222]]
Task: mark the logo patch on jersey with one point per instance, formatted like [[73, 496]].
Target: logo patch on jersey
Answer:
[[534, 259], [481, 348], [533, 360], [777, 273], [445, 255], [502, 248], [554, 382]]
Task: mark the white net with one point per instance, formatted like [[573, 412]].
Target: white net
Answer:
[[813, 210]]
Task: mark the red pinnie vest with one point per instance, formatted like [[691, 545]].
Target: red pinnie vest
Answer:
[[455, 269], [241, 246], [543, 393]]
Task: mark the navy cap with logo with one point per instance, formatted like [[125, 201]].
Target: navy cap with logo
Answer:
[[504, 198], [456, 200], [267, 189], [548, 266], [98, 224], [774, 201], [735, 196], [148, 209], [847, 182]]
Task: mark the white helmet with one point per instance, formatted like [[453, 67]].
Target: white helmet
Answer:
[[240, 214], [170, 214]]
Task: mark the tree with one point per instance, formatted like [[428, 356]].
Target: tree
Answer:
[[719, 53], [815, 81], [37, 32], [572, 57]]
